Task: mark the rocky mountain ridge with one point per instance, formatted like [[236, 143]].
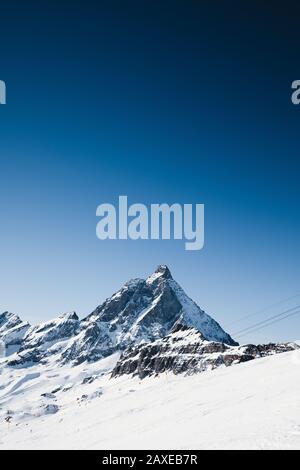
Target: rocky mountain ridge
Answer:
[[151, 322], [186, 351], [143, 310]]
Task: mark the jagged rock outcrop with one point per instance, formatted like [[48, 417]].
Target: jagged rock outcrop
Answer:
[[186, 351]]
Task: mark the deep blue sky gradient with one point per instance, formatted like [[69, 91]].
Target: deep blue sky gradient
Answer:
[[168, 101]]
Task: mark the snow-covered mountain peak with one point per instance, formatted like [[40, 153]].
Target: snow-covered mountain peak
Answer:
[[161, 273], [141, 311]]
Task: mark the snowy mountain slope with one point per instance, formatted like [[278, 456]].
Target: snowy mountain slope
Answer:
[[254, 405]]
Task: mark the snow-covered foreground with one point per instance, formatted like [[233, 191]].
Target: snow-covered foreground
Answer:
[[254, 405]]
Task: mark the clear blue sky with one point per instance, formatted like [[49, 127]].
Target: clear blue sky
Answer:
[[164, 102]]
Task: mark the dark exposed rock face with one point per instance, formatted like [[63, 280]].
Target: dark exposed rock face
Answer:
[[186, 351]]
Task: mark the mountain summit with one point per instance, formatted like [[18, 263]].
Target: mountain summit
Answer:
[[162, 272]]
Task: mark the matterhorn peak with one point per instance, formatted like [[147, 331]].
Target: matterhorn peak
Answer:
[[162, 272]]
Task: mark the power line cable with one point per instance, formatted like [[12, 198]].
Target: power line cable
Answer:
[[270, 323], [265, 309], [266, 320]]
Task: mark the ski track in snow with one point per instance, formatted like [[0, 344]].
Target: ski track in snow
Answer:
[[255, 405]]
